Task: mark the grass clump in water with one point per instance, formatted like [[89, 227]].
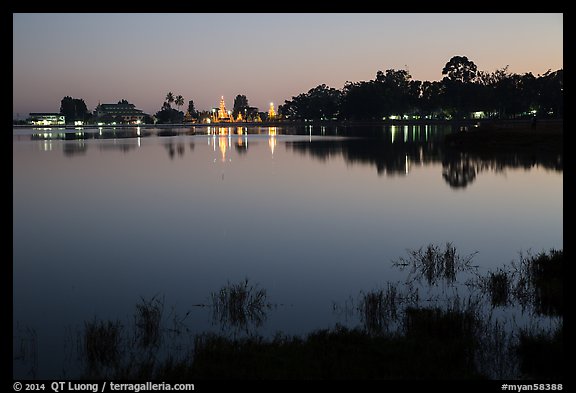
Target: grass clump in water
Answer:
[[148, 321], [380, 310], [545, 272], [102, 343], [497, 285], [535, 282], [240, 305], [499, 288], [434, 263]]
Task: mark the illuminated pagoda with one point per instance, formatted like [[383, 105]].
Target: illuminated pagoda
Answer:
[[223, 114], [271, 111]]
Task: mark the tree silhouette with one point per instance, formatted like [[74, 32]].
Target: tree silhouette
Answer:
[[169, 98], [179, 101], [461, 93], [460, 69], [463, 90], [240, 105], [73, 109], [321, 102], [191, 109], [550, 96]]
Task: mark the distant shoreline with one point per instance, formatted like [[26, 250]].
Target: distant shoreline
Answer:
[[265, 124], [492, 123], [291, 123]]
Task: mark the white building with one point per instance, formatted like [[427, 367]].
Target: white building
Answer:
[[47, 119]]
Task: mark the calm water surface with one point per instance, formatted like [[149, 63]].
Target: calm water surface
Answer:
[[103, 218]]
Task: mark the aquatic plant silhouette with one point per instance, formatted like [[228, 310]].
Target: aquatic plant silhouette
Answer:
[[102, 342], [427, 337], [434, 264], [148, 321], [240, 306]]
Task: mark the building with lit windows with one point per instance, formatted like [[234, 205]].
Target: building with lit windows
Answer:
[[46, 119], [122, 112]]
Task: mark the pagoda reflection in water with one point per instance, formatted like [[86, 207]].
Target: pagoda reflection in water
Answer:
[[224, 137]]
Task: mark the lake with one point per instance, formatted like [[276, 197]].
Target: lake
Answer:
[[103, 218]]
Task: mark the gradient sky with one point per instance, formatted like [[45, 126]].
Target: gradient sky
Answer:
[[267, 57]]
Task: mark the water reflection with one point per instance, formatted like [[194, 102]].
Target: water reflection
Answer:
[[240, 307], [458, 173], [124, 146], [312, 232], [459, 169], [242, 144], [402, 148], [102, 133], [174, 148], [72, 149], [272, 139], [394, 150], [390, 159], [223, 144]]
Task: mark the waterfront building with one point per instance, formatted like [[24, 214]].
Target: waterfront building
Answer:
[[122, 112], [46, 119]]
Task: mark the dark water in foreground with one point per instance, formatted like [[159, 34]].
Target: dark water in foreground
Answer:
[[103, 218]]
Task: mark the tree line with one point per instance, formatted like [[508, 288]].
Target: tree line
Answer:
[[463, 90]]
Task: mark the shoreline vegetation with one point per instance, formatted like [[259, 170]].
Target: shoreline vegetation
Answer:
[[434, 325]]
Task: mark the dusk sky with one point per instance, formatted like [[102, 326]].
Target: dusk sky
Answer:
[[267, 57]]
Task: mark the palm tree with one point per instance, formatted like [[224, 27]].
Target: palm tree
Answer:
[[170, 97], [179, 101]]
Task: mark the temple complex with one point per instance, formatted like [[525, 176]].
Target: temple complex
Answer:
[[223, 115]]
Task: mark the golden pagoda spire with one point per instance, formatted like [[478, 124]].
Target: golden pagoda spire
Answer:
[[223, 114], [271, 111]]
